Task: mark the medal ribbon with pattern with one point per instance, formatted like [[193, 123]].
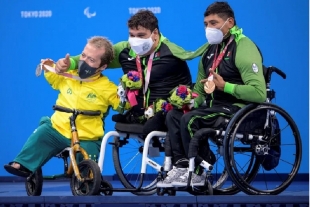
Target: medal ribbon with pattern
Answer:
[[42, 66], [145, 82], [209, 86]]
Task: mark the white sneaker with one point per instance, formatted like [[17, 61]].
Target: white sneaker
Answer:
[[197, 180], [171, 176], [168, 164]]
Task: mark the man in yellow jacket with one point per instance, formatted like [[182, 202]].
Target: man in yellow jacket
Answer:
[[82, 89]]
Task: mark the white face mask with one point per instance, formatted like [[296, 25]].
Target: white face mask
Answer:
[[141, 46], [214, 35]]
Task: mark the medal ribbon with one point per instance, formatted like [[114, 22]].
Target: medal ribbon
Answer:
[[146, 81], [52, 69], [219, 58]]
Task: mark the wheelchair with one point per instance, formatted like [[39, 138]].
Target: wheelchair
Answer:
[[253, 142], [85, 177]]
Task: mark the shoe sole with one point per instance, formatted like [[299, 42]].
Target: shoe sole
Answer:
[[15, 171], [179, 184], [164, 185]]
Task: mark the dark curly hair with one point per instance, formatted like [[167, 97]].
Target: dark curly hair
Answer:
[[222, 9], [143, 18]]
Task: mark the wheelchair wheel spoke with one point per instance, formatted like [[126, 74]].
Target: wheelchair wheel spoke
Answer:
[[130, 161]]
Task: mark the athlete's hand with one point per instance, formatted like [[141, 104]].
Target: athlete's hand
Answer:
[[48, 62], [63, 64], [218, 80], [204, 80], [191, 104]]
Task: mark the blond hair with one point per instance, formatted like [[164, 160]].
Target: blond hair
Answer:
[[102, 42]]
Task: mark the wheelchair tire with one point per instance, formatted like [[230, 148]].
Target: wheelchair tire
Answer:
[[89, 170], [201, 190], [210, 188], [218, 188], [168, 191], [267, 181], [34, 183], [106, 188], [127, 159]]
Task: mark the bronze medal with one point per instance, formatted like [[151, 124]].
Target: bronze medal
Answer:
[[209, 86]]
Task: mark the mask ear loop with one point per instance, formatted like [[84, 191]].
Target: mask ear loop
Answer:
[[224, 23], [223, 26], [98, 70]]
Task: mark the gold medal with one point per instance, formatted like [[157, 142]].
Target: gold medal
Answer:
[[209, 86]]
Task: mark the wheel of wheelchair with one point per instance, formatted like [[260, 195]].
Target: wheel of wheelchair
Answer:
[[127, 159], [262, 131], [168, 191], [90, 173], [106, 188], [34, 183], [202, 190]]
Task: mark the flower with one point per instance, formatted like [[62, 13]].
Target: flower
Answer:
[[167, 107], [182, 91], [133, 75], [131, 80], [162, 105]]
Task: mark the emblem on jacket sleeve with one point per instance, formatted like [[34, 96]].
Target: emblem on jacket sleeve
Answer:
[[255, 68]]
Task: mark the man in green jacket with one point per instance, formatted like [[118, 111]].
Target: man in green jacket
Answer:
[[161, 63], [230, 75]]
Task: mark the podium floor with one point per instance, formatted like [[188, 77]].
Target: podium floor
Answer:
[[58, 193]]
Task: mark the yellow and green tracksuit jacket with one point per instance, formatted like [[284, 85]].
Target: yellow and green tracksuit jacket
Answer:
[[100, 94]]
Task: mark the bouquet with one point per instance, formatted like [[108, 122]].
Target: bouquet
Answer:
[[131, 82], [181, 97], [160, 105]]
